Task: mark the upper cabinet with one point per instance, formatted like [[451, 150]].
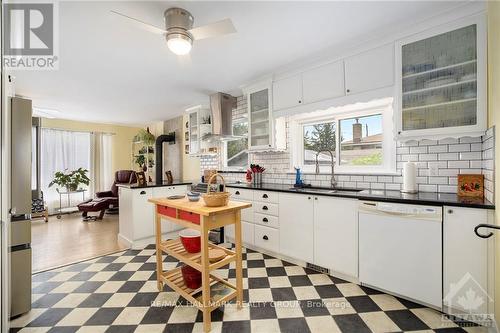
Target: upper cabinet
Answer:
[[442, 81], [200, 125], [265, 132], [370, 70], [323, 82], [362, 72], [287, 92]]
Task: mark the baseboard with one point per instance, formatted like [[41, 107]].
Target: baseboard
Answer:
[[125, 240]]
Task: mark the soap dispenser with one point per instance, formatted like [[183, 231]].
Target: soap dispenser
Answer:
[[298, 176]]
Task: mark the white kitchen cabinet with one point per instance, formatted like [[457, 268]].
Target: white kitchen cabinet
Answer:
[[247, 232], [323, 82], [467, 261], [200, 124], [441, 81], [143, 211], [287, 92], [296, 226], [336, 234], [267, 238], [370, 70], [265, 132]]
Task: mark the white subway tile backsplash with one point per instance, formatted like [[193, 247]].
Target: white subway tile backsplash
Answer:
[[449, 156], [476, 155], [458, 164]]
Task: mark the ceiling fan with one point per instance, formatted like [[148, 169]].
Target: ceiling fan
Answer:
[[179, 30]]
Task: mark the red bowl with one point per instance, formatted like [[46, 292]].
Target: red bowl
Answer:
[[192, 277], [191, 240]]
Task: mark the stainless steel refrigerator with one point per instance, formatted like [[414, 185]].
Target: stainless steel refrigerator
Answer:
[[20, 211]]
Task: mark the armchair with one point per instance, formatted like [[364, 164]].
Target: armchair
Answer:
[[124, 177]]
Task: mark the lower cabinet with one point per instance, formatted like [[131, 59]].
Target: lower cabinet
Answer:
[[467, 262], [336, 234], [296, 237], [247, 233], [266, 238]]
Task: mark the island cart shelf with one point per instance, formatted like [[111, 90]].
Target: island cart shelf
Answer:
[[214, 291]]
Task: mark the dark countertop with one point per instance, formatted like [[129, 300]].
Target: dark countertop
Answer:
[[175, 183], [421, 198]]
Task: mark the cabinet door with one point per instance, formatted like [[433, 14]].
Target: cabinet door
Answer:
[[296, 226], [247, 233], [143, 213], [370, 70], [323, 82], [336, 234], [194, 143], [465, 258], [260, 121], [287, 92], [441, 76]]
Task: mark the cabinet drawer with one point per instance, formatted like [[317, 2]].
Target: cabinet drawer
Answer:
[[266, 208], [267, 238], [267, 220], [266, 196], [240, 194]]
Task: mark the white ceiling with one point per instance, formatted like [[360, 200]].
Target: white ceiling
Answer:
[[111, 71]]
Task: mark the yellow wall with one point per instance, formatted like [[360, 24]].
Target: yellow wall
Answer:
[[122, 140], [494, 120], [191, 164]]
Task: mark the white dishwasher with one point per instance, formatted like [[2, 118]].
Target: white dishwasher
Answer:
[[400, 250]]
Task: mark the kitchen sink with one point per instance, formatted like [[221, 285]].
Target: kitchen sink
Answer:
[[327, 190]]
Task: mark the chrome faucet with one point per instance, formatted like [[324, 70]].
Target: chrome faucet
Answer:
[[333, 183]]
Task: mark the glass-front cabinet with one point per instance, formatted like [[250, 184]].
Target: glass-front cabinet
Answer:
[[200, 125], [259, 116], [265, 131], [442, 82]]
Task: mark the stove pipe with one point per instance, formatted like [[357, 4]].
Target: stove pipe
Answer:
[[170, 138]]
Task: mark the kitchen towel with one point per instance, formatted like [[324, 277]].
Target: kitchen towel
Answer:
[[409, 178]]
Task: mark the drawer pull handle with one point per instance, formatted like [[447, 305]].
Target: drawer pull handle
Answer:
[[265, 208], [142, 192], [265, 219], [265, 196], [265, 237], [237, 193]]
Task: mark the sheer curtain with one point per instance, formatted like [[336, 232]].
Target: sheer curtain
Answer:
[[61, 150], [102, 173]]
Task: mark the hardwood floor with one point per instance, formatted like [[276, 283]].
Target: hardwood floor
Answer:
[[60, 242]]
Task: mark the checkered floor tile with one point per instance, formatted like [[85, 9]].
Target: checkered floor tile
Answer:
[[117, 293]]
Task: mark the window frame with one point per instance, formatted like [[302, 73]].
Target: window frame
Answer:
[[383, 107], [224, 151]]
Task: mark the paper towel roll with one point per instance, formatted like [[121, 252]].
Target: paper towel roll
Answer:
[[409, 178]]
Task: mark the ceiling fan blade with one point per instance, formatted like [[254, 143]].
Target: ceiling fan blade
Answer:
[[141, 24], [215, 29]]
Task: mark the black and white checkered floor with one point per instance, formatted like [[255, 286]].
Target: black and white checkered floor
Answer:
[[117, 293]]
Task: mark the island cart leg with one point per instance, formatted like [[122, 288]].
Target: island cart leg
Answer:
[[159, 260], [205, 275], [239, 269]]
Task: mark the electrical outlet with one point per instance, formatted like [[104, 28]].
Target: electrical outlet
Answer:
[[433, 170]]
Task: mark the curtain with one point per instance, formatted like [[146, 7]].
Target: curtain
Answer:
[[102, 173], [62, 150]]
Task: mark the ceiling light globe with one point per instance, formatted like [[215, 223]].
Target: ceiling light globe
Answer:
[[179, 44]]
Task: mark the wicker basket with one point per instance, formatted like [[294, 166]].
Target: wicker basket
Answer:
[[216, 199]]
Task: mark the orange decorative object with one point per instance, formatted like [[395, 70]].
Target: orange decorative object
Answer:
[[471, 185]]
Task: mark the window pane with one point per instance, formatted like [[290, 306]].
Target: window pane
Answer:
[[237, 150], [319, 137], [361, 140]]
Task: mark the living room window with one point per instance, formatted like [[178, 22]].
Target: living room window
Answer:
[[359, 137]]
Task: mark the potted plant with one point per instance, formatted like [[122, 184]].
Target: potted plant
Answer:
[[70, 180], [140, 160]]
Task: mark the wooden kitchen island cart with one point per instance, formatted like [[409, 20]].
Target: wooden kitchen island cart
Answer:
[[214, 291]]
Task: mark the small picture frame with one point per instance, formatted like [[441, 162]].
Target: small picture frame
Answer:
[[141, 178], [471, 185]]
